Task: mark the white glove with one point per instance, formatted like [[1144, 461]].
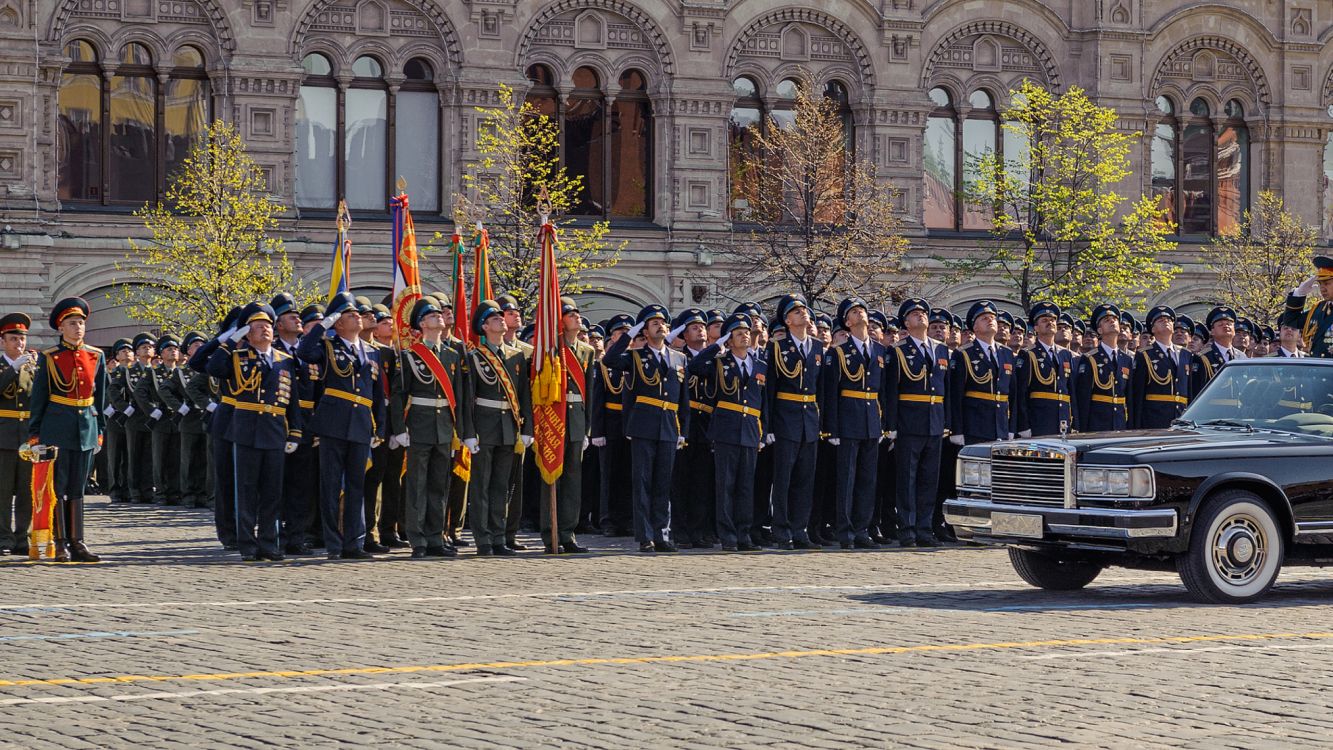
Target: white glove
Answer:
[[110, 410], [314, 442], [671, 336], [680, 442], [636, 330], [23, 360], [585, 446], [376, 442], [226, 335], [1306, 287], [1011, 436], [722, 341], [600, 442], [957, 439], [1025, 433], [291, 447], [183, 410], [240, 333], [129, 410], [527, 440], [770, 438], [212, 407], [329, 320], [155, 415], [472, 445], [97, 449], [835, 441], [401, 440]]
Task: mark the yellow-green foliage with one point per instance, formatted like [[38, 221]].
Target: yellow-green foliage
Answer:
[[1260, 260]]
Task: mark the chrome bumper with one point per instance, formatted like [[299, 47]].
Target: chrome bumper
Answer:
[[973, 518]]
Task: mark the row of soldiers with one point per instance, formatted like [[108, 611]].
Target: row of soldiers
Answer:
[[798, 431]]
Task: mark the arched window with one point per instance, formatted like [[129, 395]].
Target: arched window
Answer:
[[121, 138], [956, 139], [1164, 148], [941, 162], [354, 142], [1233, 168], [837, 93], [609, 144], [1200, 165]]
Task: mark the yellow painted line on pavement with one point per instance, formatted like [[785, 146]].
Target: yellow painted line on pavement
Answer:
[[674, 659]]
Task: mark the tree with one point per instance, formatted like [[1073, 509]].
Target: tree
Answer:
[[1262, 258], [520, 150], [208, 248], [1060, 230], [819, 221]]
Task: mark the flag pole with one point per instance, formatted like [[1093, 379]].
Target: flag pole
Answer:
[[544, 215]]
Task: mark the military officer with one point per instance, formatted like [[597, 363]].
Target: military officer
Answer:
[[1102, 378], [1160, 383], [138, 423], [1316, 317], [501, 419], [68, 396], [117, 459], [853, 417], [1221, 324], [1181, 332], [607, 430], [521, 494], [1042, 375], [1289, 336], [569, 485], [191, 389], [915, 384], [657, 420], [792, 426], [980, 376], [219, 425], [298, 492], [153, 398], [693, 509], [17, 369], [431, 407], [265, 425], [348, 420]]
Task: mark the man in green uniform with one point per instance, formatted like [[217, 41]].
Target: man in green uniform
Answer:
[[191, 390], [569, 485], [117, 458], [17, 367], [154, 398]]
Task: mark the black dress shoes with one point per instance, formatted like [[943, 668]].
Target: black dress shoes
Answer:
[[664, 547], [249, 558], [786, 545], [458, 541], [728, 548], [647, 547], [927, 543], [396, 542], [335, 556], [357, 554], [484, 552], [418, 553], [297, 549], [512, 543], [866, 543], [271, 556], [845, 545], [807, 545], [573, 548], [441, 551], [504, 551], [375, 548], [78, 552], [751, 547]]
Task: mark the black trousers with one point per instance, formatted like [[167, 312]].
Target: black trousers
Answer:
[[71, 474], [455, 513], [918, 463], [194, 468], [258, 499], [568, 496], [383, 489], [167, 467], [224, 491], [763, 490], [857, 461], [616, 493], [948, 479], [139, 473], [300, 491], [734, 466], [342, 487], [824, 503], [793, 488], [117, 462], [886, 490], [393, 497], [592, 485], [653, 461], [15, 500], [693, 492]]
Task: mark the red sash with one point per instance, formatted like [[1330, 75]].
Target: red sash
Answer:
[[575, 370], [432, 362]]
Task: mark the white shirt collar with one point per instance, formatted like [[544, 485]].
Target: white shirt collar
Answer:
[[919, 342], [661, 353], [1110, 351]]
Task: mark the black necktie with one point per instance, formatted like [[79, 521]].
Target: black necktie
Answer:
[[990, 354]]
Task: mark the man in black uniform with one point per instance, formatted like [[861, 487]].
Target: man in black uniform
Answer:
[[915, 384], [1160, 385], [1102, 380]]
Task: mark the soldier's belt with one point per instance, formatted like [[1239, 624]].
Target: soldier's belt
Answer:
[[1169, 398], [659, 403], [797, 397], [867, 395], [229, 401], [1061, 397], [344, 395], [573, 398], [434, 403], [748, 411], [1283, 402], [615, 406], [701, 406], [1224, 401], [923, 398], [1102, 399], [261, 408], [306, 404], [986, 395], [491, 403], [11, 414], [76, 402]]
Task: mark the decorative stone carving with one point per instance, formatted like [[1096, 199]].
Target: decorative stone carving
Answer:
[[827, 40], [1300, 22], [1216, 60], [421, 19], [996, 47], [597, 24]]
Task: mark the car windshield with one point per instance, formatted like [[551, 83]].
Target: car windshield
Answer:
[[1288, 397]]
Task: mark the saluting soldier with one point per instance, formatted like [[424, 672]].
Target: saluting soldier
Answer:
[[792, 426], [265, 425], [1221, 323], [190, 389], [569, 485], [299, 494], [693, 511], [1102, 381], [348, 420], [1042, 374], [115, 448], [68, 395], [151, 397], [607, 429], [980, 375], [219, 424], [1316, 318], [1160, 385], [657, 419], [915, 384], [854, 421], [138, 422], [17, 368]]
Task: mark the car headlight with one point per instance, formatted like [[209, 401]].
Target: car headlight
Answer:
[[1135, 482], [974, 473], [1092, 481]]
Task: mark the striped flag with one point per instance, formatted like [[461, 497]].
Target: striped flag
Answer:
[[548, 365], [462, 313], [340, 277], [481, 274], [406, 276]]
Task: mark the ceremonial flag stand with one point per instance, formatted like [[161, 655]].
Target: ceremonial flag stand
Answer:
[[548, 370], [41, 541]]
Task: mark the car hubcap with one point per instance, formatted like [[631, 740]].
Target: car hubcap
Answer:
[[1239, 549]]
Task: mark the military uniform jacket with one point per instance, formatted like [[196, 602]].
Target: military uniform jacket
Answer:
[[1042, 390], [307, 384], [914, 388], [352, 406], [15, 388], [134, 375], [1203, 368], [492, 424], [853, 391], [219, 420], [656, 393], [979, 392], [701, 398], [576, 401], [792, 391], [605, 408], [737, 401], [265, 414], [118, 394], [194, 390], [1102, 390], [153, 394], [1317, 330], [68, 396], [419, 406], [1160, 387]]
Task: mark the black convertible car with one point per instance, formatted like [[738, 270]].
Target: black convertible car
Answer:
[[1240, 485]]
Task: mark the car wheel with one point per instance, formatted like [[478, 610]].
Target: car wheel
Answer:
[[1235, 550], [1052, 573]]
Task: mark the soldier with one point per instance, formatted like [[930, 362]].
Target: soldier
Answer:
[[693, 508], [569, 485], [219, 426], [607, 431], [386, 463], [117, 458], [736, 381], [1245, 336], [348, 420], [456, 510], [1064, 331], [68, 396], [980, 375], [1042, 374], [1289, 336], [155, 400], [430, 409], [522, 495], [854, 421], [1102, 380], [1160, 384], [299, 494], [138, 423], [915, 383], [793, 424], [501, 419], [1181, 332], [191, 390], [657, 419], [17, 369], [1221, 323]]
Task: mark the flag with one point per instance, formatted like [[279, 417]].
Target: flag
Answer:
[[41, 543], [406, 276], [462, 313], [481, 274], [340, 277], [548, 365]]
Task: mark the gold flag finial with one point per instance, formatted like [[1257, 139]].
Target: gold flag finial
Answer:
[[544, 204], [402, 184], [344, 219]]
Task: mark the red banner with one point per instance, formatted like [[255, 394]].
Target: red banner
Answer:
[[548, 366], [406, 276], [41, 542]]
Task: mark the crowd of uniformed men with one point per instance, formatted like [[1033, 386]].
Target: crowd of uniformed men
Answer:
[[308, 429]]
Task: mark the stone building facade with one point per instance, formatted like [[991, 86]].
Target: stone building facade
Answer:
[[98, 98]]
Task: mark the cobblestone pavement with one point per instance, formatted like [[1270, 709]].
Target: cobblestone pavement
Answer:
[[170, 643]]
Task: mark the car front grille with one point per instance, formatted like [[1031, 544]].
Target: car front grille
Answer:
[[1028, 477]]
